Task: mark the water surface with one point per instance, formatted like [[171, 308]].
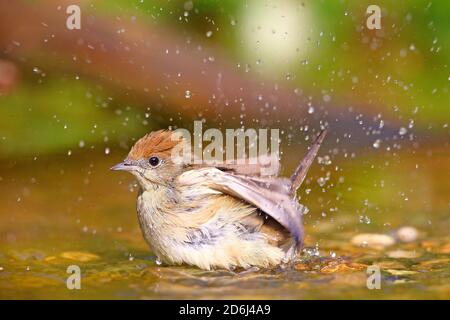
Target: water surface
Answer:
[[71, 210]]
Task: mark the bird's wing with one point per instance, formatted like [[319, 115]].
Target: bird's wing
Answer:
[[271, 195], [263, 165], [300, 173]]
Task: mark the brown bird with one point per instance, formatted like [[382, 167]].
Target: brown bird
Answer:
[[215, 216]]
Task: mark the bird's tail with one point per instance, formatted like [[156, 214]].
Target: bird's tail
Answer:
[[300, 172]]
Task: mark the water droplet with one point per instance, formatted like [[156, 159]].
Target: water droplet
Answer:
[[188, 5], [187, 94], [209, 33], [321, 181], [326, 98], [132, 186], [325, 160], [377, 143], [107, 150], [364, 219], [402, 131]]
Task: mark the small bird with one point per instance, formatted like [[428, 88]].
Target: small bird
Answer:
[[215, 217]]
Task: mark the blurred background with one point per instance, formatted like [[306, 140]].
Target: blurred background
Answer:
[[72, 103]]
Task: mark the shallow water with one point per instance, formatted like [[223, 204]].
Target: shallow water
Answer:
[[60, 211]]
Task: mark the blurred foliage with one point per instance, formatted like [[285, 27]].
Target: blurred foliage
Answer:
[[402, 71], [63, 114]]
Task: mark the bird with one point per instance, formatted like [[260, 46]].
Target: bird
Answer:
[[222, 216]]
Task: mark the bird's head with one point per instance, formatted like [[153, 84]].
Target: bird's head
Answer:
[[151, 159]]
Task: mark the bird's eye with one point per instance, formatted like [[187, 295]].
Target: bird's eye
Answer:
[[154, 161]]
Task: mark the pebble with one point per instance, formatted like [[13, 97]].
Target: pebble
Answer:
[[343, 267], [401, 272], [373, 240], [79, 256], [444, 249], [26, 255], [429, 244], [403, 281], [407, 234], [403, 254], [436, 262], [390, 265], [50, 258]]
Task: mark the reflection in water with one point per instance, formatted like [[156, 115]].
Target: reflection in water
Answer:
[[62, 211]]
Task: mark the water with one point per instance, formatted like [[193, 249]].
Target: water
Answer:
[[61, 211]]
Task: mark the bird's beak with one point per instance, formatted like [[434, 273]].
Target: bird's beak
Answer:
[[125, 166]]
